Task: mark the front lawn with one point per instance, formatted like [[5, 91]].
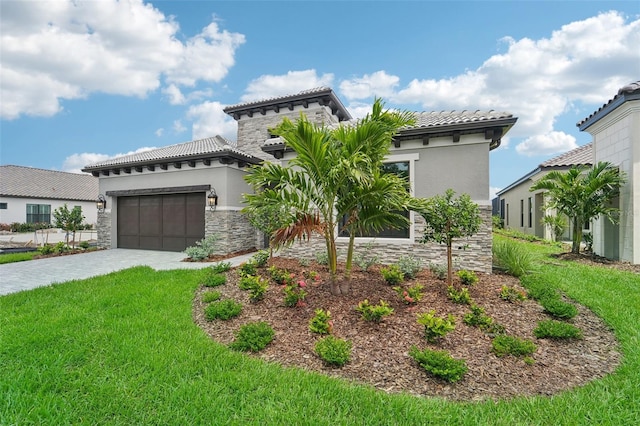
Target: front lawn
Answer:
[[124, 349]]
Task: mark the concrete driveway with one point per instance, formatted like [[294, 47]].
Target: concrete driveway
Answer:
[[19, 276]]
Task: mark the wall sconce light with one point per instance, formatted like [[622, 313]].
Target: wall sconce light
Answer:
[[212, 199], [101, 203]]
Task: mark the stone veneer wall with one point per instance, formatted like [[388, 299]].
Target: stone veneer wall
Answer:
[[233, 229], [104, 229], [476, 257]]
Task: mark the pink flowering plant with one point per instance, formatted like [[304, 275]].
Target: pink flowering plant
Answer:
[[281, 276], [294, 294], [410, 295], [312, 277]]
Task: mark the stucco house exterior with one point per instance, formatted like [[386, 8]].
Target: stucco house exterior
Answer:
[[30, 195], [523, 210], [158, 199], [615, 128]]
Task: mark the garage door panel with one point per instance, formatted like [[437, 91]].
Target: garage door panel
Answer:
[[151, 216], [151, 243], [128, 216], [174, 215], [195, 217]]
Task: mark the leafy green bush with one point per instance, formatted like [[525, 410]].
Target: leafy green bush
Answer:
[[410, 295], [511, 294], [46, 249], [365, 259], [84, 245], [280, 276], [478, 318], [333, 351], [374, 313], [211, 296], [29, 227], [559, 309], [497, 222], [509, 345], [439, 270], [214, 280], [392, 274], [513, 258], [248, 268], [436, 327], [294, 295], [222, 309], [261, 258], [538, 289], [322, 258], [439, 363], [321, 322], [253, 337], [203, 248], [60, 247], [256, 285], [410, 266], [551, 329], [462, 296], [221, 267], [468, 277]]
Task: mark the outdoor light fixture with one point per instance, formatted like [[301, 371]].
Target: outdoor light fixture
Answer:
[[212, 199], [101, 203]]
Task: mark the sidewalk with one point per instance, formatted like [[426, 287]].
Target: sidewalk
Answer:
[[19, 276]]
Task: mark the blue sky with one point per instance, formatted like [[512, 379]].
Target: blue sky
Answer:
[[82, 81]]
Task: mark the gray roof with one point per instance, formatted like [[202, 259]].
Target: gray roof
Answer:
[[209, 147], [581, 156], [630, 92], [27, 182], [448, 118]]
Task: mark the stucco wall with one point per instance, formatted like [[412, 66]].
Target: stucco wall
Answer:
[[17, 208]]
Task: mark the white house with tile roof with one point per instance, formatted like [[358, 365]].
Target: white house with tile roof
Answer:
[[158, 199], [523, 210], [30, 195], [615, 128]]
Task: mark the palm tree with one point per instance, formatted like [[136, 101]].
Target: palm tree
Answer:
[[582, 195]]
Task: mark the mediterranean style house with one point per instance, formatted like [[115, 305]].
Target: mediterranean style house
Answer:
[[523, 210], [29, 195], [171, 197], [615, 128]]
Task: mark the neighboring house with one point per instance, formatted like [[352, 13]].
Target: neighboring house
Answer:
[[158, 199], [615, 128], [29, 195], [523, 210]]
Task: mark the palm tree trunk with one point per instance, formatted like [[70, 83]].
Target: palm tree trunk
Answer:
[[349, 263], [577, 235]]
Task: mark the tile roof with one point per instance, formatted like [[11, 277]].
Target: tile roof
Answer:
[[629, 92], [313, 91], [200, 147], [447, 118], [20, 181], [582, 155]]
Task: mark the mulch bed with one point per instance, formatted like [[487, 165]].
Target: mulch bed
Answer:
[[380, 351]]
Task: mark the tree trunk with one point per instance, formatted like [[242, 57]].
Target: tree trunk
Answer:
[[349, 264], [577, 235], [449, 264]]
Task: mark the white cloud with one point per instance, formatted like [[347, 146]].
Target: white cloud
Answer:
[[536, 80], [493, 190], [178, 127], [76, 162], [209, 120], [175, 95], [269, 86], [52, 51], [159, 132], [551, 143]]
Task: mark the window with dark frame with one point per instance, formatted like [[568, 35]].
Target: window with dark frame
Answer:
[[507, 216], [38, 213], [521, 213], [502, 212], [3, 206], [530, 212]]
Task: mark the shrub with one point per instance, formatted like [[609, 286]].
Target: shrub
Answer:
[[222, 309], [248, 268], [364, 259], [260, 258], [439, 363], [496, 222], [539, 290], [304, 262], [410, 295], [436, 327], [512, 258], [333, 351], [214, 280], [294, 295], [374, 313], [322, 258], [509, 345], [253, 337], [478, 318], [468, 277], [410, 266], [511, 294], [60, 247], [84, 245], [247, 282], [462, 296], [203, 248], [221, 267], [46, 249], [439, 270], [211, 296], [256, 285], [559, 309], [551, 329], [392, 274], [321, 322], [280, 276]]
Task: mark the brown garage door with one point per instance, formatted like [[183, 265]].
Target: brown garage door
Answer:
[[170, 222]]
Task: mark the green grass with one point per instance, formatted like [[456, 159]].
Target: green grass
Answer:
[[122, 349], [17, 257]]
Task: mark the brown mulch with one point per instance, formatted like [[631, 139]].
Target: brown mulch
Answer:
[[599, 261], [380, 351]]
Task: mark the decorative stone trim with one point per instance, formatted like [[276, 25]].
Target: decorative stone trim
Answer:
[[104, 229], [233, 229]]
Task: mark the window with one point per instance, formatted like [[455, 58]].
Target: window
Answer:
[[402, 169], [3, 206], [507, 214], [38, 213], [502, 211], [530, 212], [522, 213]]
